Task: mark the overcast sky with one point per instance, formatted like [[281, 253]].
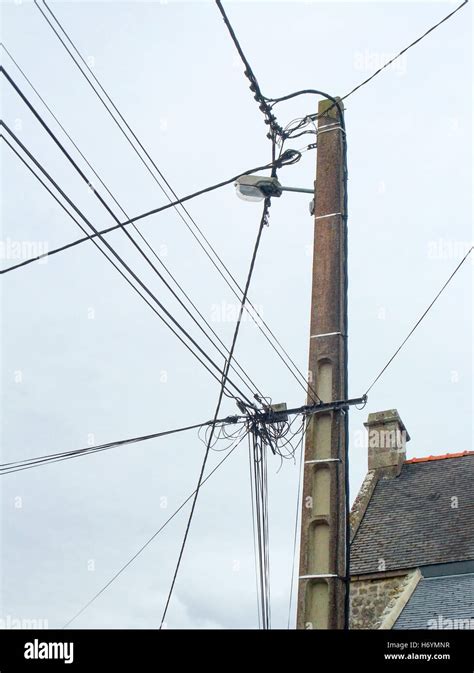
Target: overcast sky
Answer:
[[84, 359]]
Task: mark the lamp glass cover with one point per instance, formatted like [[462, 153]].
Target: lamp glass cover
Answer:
[[249, 193]]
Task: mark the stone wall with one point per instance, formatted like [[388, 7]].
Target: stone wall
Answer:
[[370, 598]]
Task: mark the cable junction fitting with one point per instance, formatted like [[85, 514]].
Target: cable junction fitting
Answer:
[[308, 409]]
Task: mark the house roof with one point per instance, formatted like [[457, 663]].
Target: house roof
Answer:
[[440, 603], [442, 457], [424, 516]]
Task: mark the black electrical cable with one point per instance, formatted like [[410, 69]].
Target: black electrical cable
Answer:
[[254, 528], [420, 319], [129, 130], [263, 223], [275, 132], [267, 434], [258, 319], [153, 308], [377, 72], [110, 259], [103, 232], [252, 387], [118, 204], [303, 92], [266, 533], [258, 458], [281, 162], [286, 159], [27, 463], [161, 175], [270, 118], [127, 267], [356, 88], [297, 516], [145, 545], [258, 477]]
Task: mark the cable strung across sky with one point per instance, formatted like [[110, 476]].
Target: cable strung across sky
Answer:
[[152, 296], [110, 259], [313, 117], [420, 319], [259, 496], [288, 158], [263, 224], [28, 463], [156, 533], [260, 488], [252, 386], [132, 138], [412, 44], [126, 130], [270, 119], [130, 135]]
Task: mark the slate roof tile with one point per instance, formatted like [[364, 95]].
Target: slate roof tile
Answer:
[[448, 600], [412, 520]]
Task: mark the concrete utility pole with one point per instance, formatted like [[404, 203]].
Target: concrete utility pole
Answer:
[[321, 591]]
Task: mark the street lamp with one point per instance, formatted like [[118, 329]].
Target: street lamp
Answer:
[[258, 187]]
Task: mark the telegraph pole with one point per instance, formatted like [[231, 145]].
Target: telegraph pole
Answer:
[[322, 587]]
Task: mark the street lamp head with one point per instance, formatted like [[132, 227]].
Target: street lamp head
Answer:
[[257, 187]]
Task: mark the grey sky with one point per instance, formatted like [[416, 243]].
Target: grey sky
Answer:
[[82, 355]]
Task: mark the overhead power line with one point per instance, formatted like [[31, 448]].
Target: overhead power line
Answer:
[[110, 259], [297, 517], [264, 107], [419, 39], [132, 137], [133, 140], [246, 381], [155, 534], [144, 287], [287, 158], [263, 223], [67, 134], [313, 117], [103, 232], [259, 493], [28, 463], [420, 319]]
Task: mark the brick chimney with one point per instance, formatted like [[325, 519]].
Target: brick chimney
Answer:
[[387, 443]]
